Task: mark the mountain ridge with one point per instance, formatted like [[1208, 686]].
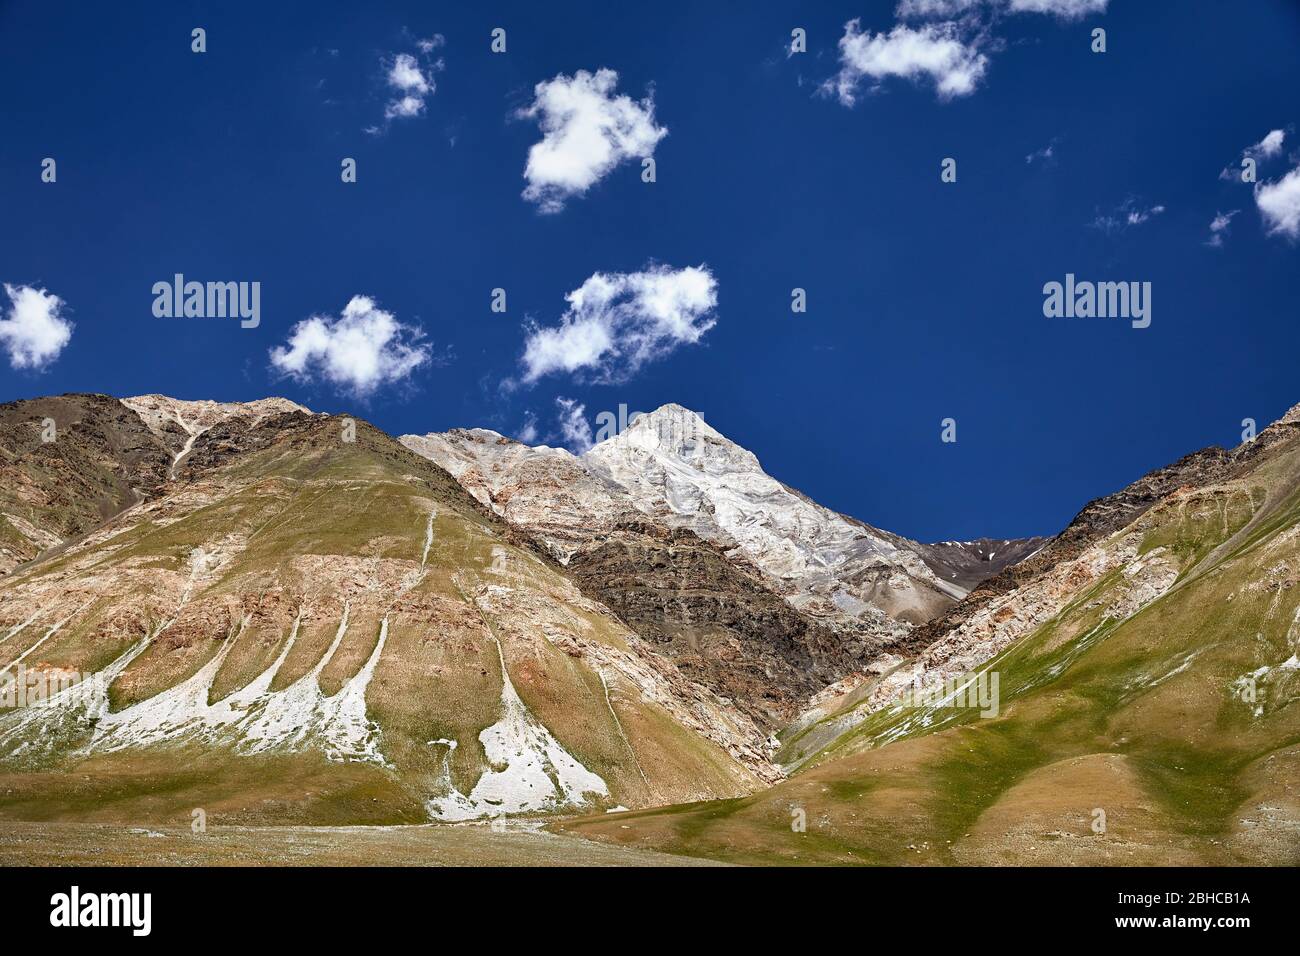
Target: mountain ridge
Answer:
[[1144, 675], [337, 627], [300, 599]]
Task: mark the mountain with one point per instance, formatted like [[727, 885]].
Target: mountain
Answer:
[[302, 621], [716, 617], [678, 469], [67, 464], [284, 617], [758, 591], [1146, 664], [967, 564], [670, 466], [71, 462]]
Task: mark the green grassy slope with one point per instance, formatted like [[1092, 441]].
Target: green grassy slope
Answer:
[[1174, 731], [247, 567]]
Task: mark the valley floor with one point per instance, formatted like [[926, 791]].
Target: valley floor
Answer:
[[82, 844]]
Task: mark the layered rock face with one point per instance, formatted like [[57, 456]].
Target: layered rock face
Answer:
[[680, 471], [760, 592], [1104, 516], [547, 492], [968, 563], [718, 622], [70, 462], [67, 464]]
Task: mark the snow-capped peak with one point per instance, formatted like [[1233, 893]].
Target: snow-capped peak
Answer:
[[681, 435], [678, 469], [673, 467]]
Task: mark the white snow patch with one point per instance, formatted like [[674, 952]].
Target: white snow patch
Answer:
[[71, 711], [48, 634], [194, 432], [428, 540], [538, 773], [255, 719]]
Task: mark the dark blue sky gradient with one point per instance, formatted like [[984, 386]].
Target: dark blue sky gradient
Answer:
[[924, 298]]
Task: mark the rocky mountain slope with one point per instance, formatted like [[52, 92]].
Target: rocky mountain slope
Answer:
[[968, 564], [678, 469], [295, 626], [670, 466], [682, 533], [255, 610], [67, 464], [1145, 686], [71, 462]]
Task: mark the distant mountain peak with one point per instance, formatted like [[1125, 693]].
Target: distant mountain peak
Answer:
[[671, 467], [1291, 417], [158, 410], [678, 434]]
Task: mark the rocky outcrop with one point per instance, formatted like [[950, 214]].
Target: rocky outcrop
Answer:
[[717, 622], [548, 493], [683, 473], [175, 420], [968, 563], [1097, 520], [67, 464]]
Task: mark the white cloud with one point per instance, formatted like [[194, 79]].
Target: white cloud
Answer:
[[1266, 148], [34, 332], [951, 50], [405, 106], [1065, 9], [528, 430], [933, 9], [1221, 220], [1128, 213], [1138, 216], [586, 132], [1279, 205], [1044, 154], [573, 425], [411, 79], [406, 75], [934, 51], [617, 322], [362, 349], [945, 9], [1219, 227]]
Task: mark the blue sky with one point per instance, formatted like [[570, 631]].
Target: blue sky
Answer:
[[924, 298]]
